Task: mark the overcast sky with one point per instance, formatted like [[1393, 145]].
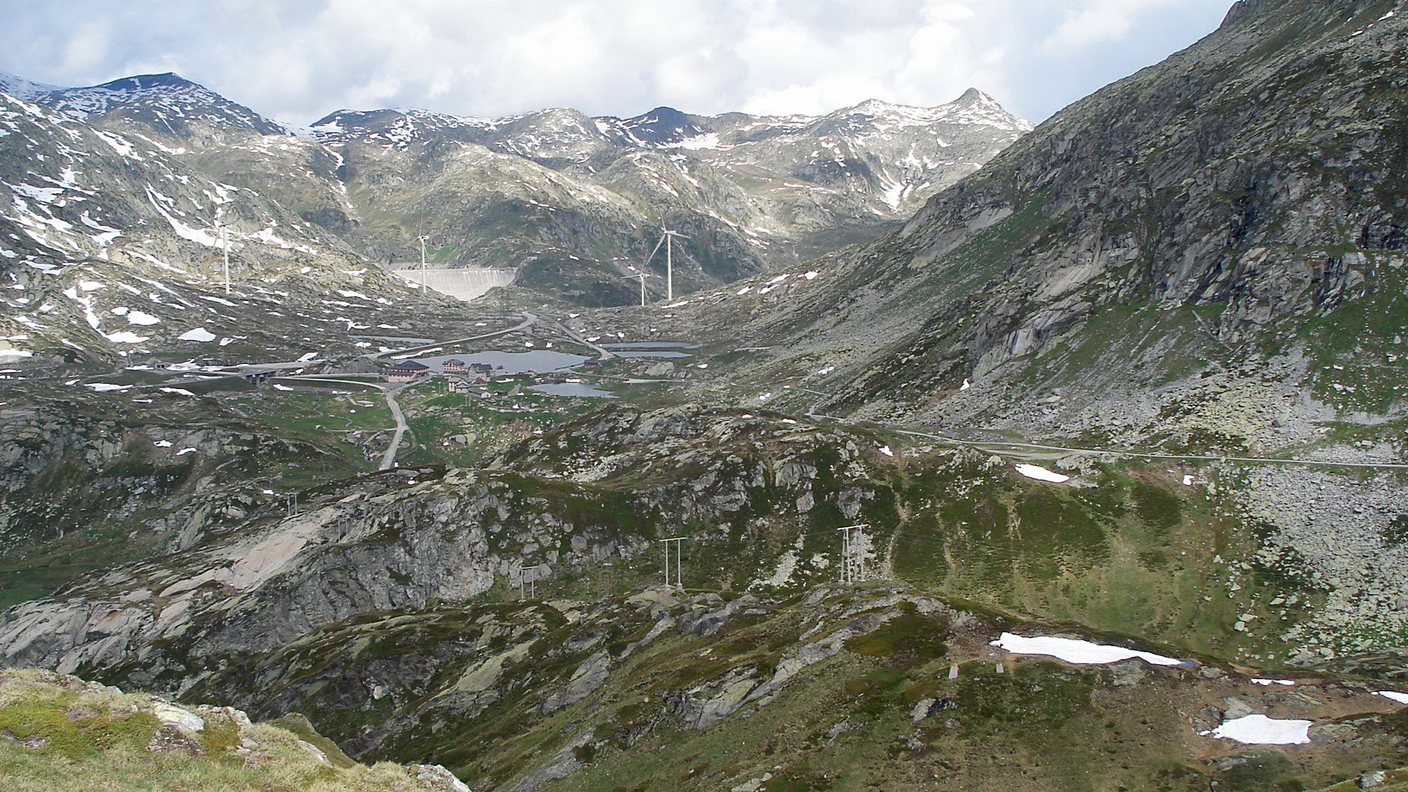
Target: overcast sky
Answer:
[[297, 60]]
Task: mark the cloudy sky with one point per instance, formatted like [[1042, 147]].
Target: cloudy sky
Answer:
[[297, 60]]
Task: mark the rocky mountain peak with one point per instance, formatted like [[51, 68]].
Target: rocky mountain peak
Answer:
[[148, 81], [168, 103], [663, 125], [21, 88], [972, 108], [975, 98]]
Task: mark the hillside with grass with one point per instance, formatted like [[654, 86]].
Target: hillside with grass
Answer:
[[60, 732]]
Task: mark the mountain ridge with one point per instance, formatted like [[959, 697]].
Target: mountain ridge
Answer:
[[752, 193]]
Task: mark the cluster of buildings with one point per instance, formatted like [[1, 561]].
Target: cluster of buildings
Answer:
[[471, 379], [455, 369]]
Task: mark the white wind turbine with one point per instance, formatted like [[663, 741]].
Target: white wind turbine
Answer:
[[667, 239], [642, 274]]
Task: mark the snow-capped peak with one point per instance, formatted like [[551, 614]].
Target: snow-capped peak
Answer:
[[20, 88]]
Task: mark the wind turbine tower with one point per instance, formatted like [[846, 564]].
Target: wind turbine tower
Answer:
[[224, 243], [422, 265]]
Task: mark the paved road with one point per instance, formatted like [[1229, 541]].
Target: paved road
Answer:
[[528, 320], [605, 354], [388, 459]]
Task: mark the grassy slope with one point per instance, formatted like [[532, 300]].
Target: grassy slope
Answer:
[[62, 733], [843, 723]]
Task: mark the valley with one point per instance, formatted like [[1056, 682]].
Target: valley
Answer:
[[1075, 461]]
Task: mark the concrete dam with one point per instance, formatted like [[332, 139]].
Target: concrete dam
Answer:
[[465, 284]]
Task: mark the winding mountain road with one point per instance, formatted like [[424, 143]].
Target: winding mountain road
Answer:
[[388, 459]]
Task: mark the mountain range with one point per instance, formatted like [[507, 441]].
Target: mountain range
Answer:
[[573, 204], [1081, 469]]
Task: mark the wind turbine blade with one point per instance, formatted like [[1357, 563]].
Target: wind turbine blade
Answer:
[[656, 250]]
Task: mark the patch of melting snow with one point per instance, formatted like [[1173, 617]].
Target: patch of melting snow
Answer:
[[1401, 698], [811, 275], [1187, 481], [185, 451], [1042, 474], [1076, 651], [886, 451], [1261, 730], [182, 230], [277, 386], [141, 318], [177, 391], [162, 444], [197, 334], [1268, 682], [126, 337], [966, 385], [106, 387]]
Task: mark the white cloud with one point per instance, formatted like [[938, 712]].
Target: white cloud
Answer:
[[1099, 21], [296, 60]]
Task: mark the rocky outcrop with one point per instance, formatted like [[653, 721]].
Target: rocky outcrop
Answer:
[[407, 539]]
